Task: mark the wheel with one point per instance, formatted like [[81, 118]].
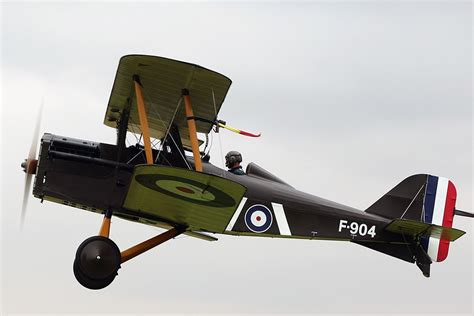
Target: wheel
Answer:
[[98, 258], [89, 283], [97, 262]]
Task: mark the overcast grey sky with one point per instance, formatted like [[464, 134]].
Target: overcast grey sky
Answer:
[[350, 97]]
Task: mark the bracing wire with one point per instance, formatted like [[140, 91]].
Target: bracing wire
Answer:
[[413, 200], [168, 127], [138, 140], [134, 132], [218, 134], [212, 143]]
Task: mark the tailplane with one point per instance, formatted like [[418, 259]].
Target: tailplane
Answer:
[[422, 208]]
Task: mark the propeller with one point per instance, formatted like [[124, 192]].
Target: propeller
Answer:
[[30, 164]]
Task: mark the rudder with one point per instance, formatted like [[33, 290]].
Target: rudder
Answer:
[[425, 198], [439, 205]]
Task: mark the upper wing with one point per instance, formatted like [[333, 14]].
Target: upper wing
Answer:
[[162, 80]]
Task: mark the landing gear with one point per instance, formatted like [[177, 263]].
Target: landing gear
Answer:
[[97, 262], [98, 258]]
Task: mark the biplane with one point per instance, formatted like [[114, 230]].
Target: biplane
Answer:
[[166, 180]]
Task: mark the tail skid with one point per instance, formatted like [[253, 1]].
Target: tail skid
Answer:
[[411, 251]]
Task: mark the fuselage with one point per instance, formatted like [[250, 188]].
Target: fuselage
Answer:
[[295, 213], [88, 175]]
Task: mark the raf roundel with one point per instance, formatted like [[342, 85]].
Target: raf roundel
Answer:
[[188, 190], [258, 218]]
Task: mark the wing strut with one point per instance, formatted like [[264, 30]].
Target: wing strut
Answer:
[[143, 120], [192, 130]]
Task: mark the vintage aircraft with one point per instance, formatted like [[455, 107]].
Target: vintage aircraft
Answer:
[[171, 101]]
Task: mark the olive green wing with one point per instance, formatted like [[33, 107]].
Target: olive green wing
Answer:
[[162, 81], [200, 201]]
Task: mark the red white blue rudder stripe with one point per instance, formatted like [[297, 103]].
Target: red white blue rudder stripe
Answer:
[[438, 209]]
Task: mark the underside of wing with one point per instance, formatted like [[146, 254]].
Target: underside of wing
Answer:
[[162, 81], [199, 201]]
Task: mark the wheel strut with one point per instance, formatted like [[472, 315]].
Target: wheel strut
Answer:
[[151, 243], [105, 228], [98, 258]]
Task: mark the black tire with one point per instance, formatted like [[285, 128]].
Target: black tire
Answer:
[[90, 283], [97, 262]]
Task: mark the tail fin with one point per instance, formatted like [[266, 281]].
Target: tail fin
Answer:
[[423, 207]]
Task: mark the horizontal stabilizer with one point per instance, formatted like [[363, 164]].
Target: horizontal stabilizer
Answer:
[[415, 228], [463, 213]]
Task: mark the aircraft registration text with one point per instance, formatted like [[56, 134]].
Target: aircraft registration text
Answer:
[[356, 228]]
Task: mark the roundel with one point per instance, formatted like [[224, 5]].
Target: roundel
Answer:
[[186, 190], [258, 218]]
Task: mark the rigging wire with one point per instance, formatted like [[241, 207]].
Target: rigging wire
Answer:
[[131, 159], [154, 143], [210, 146], [422, 219], [168, 127], [134, 133], [219, 135], [212, 143], [413, 200], [139, 140]]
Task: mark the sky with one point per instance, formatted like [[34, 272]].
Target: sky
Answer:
[[350, 98]]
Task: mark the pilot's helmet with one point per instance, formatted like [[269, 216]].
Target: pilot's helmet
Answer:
[[232, 157]]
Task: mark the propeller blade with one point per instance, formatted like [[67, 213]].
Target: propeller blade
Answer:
[[25, 197], [34, 142], [29, 165]]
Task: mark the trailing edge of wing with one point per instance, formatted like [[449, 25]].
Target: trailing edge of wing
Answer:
[[415, 228], [202, 236]]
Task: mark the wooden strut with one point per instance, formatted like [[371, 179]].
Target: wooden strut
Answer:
[[150, 243], [105, 228], [192, 130], [143, 120]]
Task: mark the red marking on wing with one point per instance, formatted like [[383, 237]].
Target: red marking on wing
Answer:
[[185, 190]]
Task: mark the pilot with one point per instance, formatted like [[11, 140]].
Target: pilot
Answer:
[[232, 161]]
